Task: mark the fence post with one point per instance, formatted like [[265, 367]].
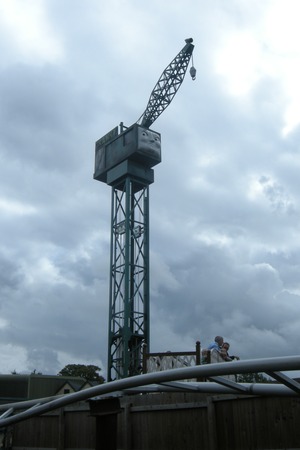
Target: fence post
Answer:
[[145, 348], [198, 357], [198, 353], [127, 426], [61, 429], [211, 420]]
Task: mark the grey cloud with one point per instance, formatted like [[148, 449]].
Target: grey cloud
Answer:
[[10, 275], [222, 262]]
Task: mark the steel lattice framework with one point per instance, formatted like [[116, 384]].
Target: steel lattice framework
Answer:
[[167, 85], [129, 278]]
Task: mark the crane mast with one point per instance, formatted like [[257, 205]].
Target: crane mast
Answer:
[[124, 159]]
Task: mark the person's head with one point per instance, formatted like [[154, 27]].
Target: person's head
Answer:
[[219, 340], [226, 346]]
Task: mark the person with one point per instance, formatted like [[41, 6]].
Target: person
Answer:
[[224, 353], [217, 344], [207, 352]]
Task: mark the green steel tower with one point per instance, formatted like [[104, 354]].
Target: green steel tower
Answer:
[[124, 159]]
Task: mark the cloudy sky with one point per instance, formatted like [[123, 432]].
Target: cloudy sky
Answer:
[[224, 208]]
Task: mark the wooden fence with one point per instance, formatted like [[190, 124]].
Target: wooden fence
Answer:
[[164, 421], [71, 427], [180, 421]]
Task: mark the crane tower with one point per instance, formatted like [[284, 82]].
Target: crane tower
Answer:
[[124, 159]]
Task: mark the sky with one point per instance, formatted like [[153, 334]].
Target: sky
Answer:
[[224, 207]]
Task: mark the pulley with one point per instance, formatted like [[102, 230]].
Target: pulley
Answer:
[[193, 70], [193, 73]]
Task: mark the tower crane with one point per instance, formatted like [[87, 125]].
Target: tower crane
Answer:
[[124, 159]]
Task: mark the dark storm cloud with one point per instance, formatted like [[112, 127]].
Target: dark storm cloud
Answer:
[[10, 276], [40, 110], [222, 241], [224, 205], [53, 315], [246, 301]]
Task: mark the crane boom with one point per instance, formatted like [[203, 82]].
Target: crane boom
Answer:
[[167, 85]]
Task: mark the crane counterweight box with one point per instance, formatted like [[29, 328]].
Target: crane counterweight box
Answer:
[[136, 143]]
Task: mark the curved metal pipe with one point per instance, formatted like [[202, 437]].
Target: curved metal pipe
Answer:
[[209, 370]]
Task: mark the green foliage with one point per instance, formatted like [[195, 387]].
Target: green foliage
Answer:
[[252, 378], [87, 372]]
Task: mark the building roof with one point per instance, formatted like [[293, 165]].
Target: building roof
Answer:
[[31, 386]]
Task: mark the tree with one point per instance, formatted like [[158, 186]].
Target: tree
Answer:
[[87, 372], [252, 378]]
